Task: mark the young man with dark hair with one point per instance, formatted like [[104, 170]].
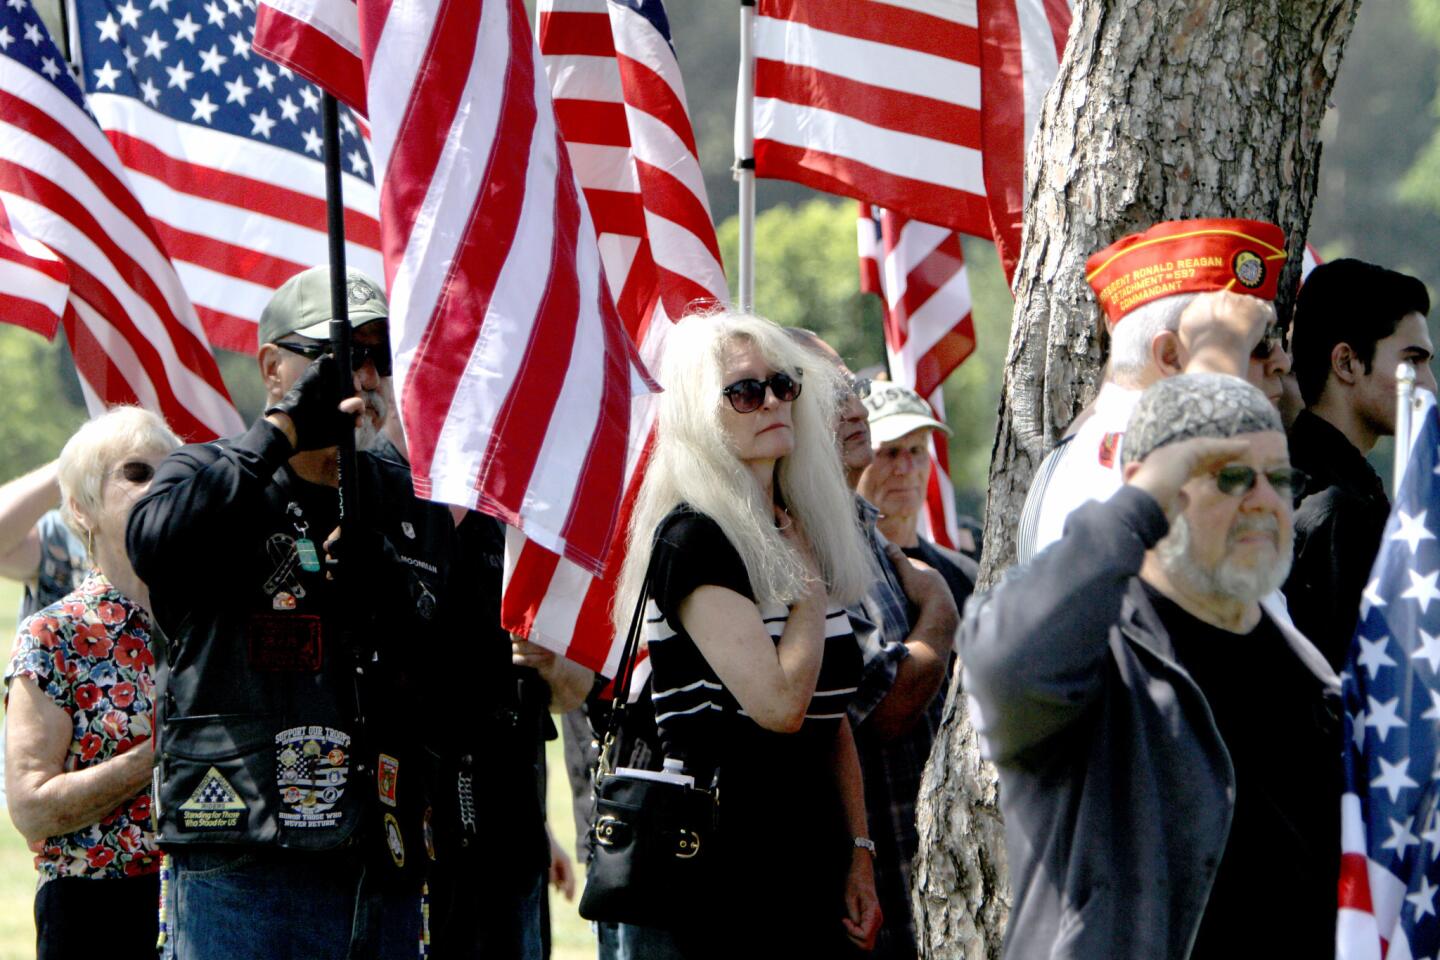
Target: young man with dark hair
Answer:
[[1354, 323]]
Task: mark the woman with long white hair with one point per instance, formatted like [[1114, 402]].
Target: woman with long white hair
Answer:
[[748, 537]]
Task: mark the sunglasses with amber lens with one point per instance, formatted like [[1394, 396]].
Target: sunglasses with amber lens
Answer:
[[1237, 480], [748, 395]]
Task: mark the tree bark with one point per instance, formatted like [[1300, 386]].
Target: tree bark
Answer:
[[1161, 111]]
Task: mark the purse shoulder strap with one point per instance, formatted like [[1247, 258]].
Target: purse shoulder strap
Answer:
[[626, 669]]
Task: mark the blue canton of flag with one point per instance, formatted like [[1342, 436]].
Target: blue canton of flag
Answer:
[[23, 37], [1390, 863], [194, 64], [225, 151]]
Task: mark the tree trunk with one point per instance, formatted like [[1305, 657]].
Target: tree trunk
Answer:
[[1161, 111]]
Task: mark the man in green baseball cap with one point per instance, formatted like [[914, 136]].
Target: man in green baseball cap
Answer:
[[301, 746], [295, 329]]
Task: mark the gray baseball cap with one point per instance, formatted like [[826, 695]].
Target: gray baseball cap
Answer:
[[895, 411], [302, 305]]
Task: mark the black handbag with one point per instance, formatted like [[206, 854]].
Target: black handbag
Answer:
[[652, 838]]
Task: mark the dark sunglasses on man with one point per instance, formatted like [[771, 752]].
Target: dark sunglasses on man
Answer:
[[1274, 337], [359, 352], [748, 395], [1236, 480]]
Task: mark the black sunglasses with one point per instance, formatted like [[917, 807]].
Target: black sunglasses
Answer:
[[1237, 480], [1274, 337], [379, 353], [748, 395], [136, 471]]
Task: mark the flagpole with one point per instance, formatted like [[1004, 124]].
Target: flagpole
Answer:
[[70, 19], [744, 168], [339, 309], [1404, 410]]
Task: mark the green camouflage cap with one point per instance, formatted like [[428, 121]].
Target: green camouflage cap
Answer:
[[302, 305]]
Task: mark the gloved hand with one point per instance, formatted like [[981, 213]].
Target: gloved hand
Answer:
[[313, 406]]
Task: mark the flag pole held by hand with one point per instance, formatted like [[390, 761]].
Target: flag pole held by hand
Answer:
[[339, 306]]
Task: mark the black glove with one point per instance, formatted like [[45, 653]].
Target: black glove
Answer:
[[313, 405]]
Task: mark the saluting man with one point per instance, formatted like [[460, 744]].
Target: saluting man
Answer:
[[1189, 296]]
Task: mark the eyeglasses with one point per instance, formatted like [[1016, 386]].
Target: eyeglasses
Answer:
[[378, 353], [1274, 337], [858, 387], [136, 471], [747, 396], [1237, 480]]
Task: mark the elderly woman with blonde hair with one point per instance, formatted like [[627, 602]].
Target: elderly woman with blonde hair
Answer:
[[79, 689], [746, 535]]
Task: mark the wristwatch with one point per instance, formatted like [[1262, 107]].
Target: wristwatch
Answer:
[[866, 844]]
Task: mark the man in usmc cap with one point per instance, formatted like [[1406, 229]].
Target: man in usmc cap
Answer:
[[1183, 296], [294, 773], [1167, 750]]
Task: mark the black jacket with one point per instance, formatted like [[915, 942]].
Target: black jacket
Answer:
[[293, 708], [1116, 787], [1338, 526]]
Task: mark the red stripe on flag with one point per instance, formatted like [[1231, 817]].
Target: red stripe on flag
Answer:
[[1354, 889], [961, 210], [524, 418], [941, 360], [616, 211], [237, 190], [228, 331], [311, 53], [1059, 15], [933, 271], [245, 262], [883, 23], [94, 364], [879, 106], [592, 122], [647, 91], [576, 34], [667, 196]]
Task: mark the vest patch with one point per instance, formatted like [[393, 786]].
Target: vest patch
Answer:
[[213, 806]]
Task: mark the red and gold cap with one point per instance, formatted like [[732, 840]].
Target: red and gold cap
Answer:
[[1187, 256]]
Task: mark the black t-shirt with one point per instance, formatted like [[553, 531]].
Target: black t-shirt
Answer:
[[959, 571], [1274, 894]]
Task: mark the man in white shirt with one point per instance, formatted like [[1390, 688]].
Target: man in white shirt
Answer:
[[1185, 296]]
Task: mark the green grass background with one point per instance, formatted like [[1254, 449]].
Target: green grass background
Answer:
[[572, 938]]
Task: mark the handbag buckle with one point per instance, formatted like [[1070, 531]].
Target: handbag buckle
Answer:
[[688, 846], [605, 830]]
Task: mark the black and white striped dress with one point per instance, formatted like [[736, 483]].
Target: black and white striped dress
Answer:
[[782, 831]]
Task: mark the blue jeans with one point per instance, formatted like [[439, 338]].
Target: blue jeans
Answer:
[[274, 905], [624, 941]]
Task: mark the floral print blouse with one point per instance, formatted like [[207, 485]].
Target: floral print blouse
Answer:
[[91, 654]]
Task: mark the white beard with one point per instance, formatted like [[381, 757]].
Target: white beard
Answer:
[[1227, 579]]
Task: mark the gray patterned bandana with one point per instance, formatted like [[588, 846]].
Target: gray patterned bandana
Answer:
[[1196, 405]]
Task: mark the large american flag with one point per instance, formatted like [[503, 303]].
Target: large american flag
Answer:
[[1390, 824], [620, 102], [224, 152], [918, 271], [513, 373], [78, 249], [874, 99]]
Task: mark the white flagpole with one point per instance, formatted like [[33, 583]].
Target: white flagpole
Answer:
[[744, 168], [1404, 410]]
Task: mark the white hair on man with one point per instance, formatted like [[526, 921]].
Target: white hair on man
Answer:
[[97, 447], [1132, 336], [692, 463]]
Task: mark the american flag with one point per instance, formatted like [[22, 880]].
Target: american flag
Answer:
[[513, 373], [918, 270], [1021, 44], [877, 100], [224, 152], [1390, 824], [78, 249], [621, 106]]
